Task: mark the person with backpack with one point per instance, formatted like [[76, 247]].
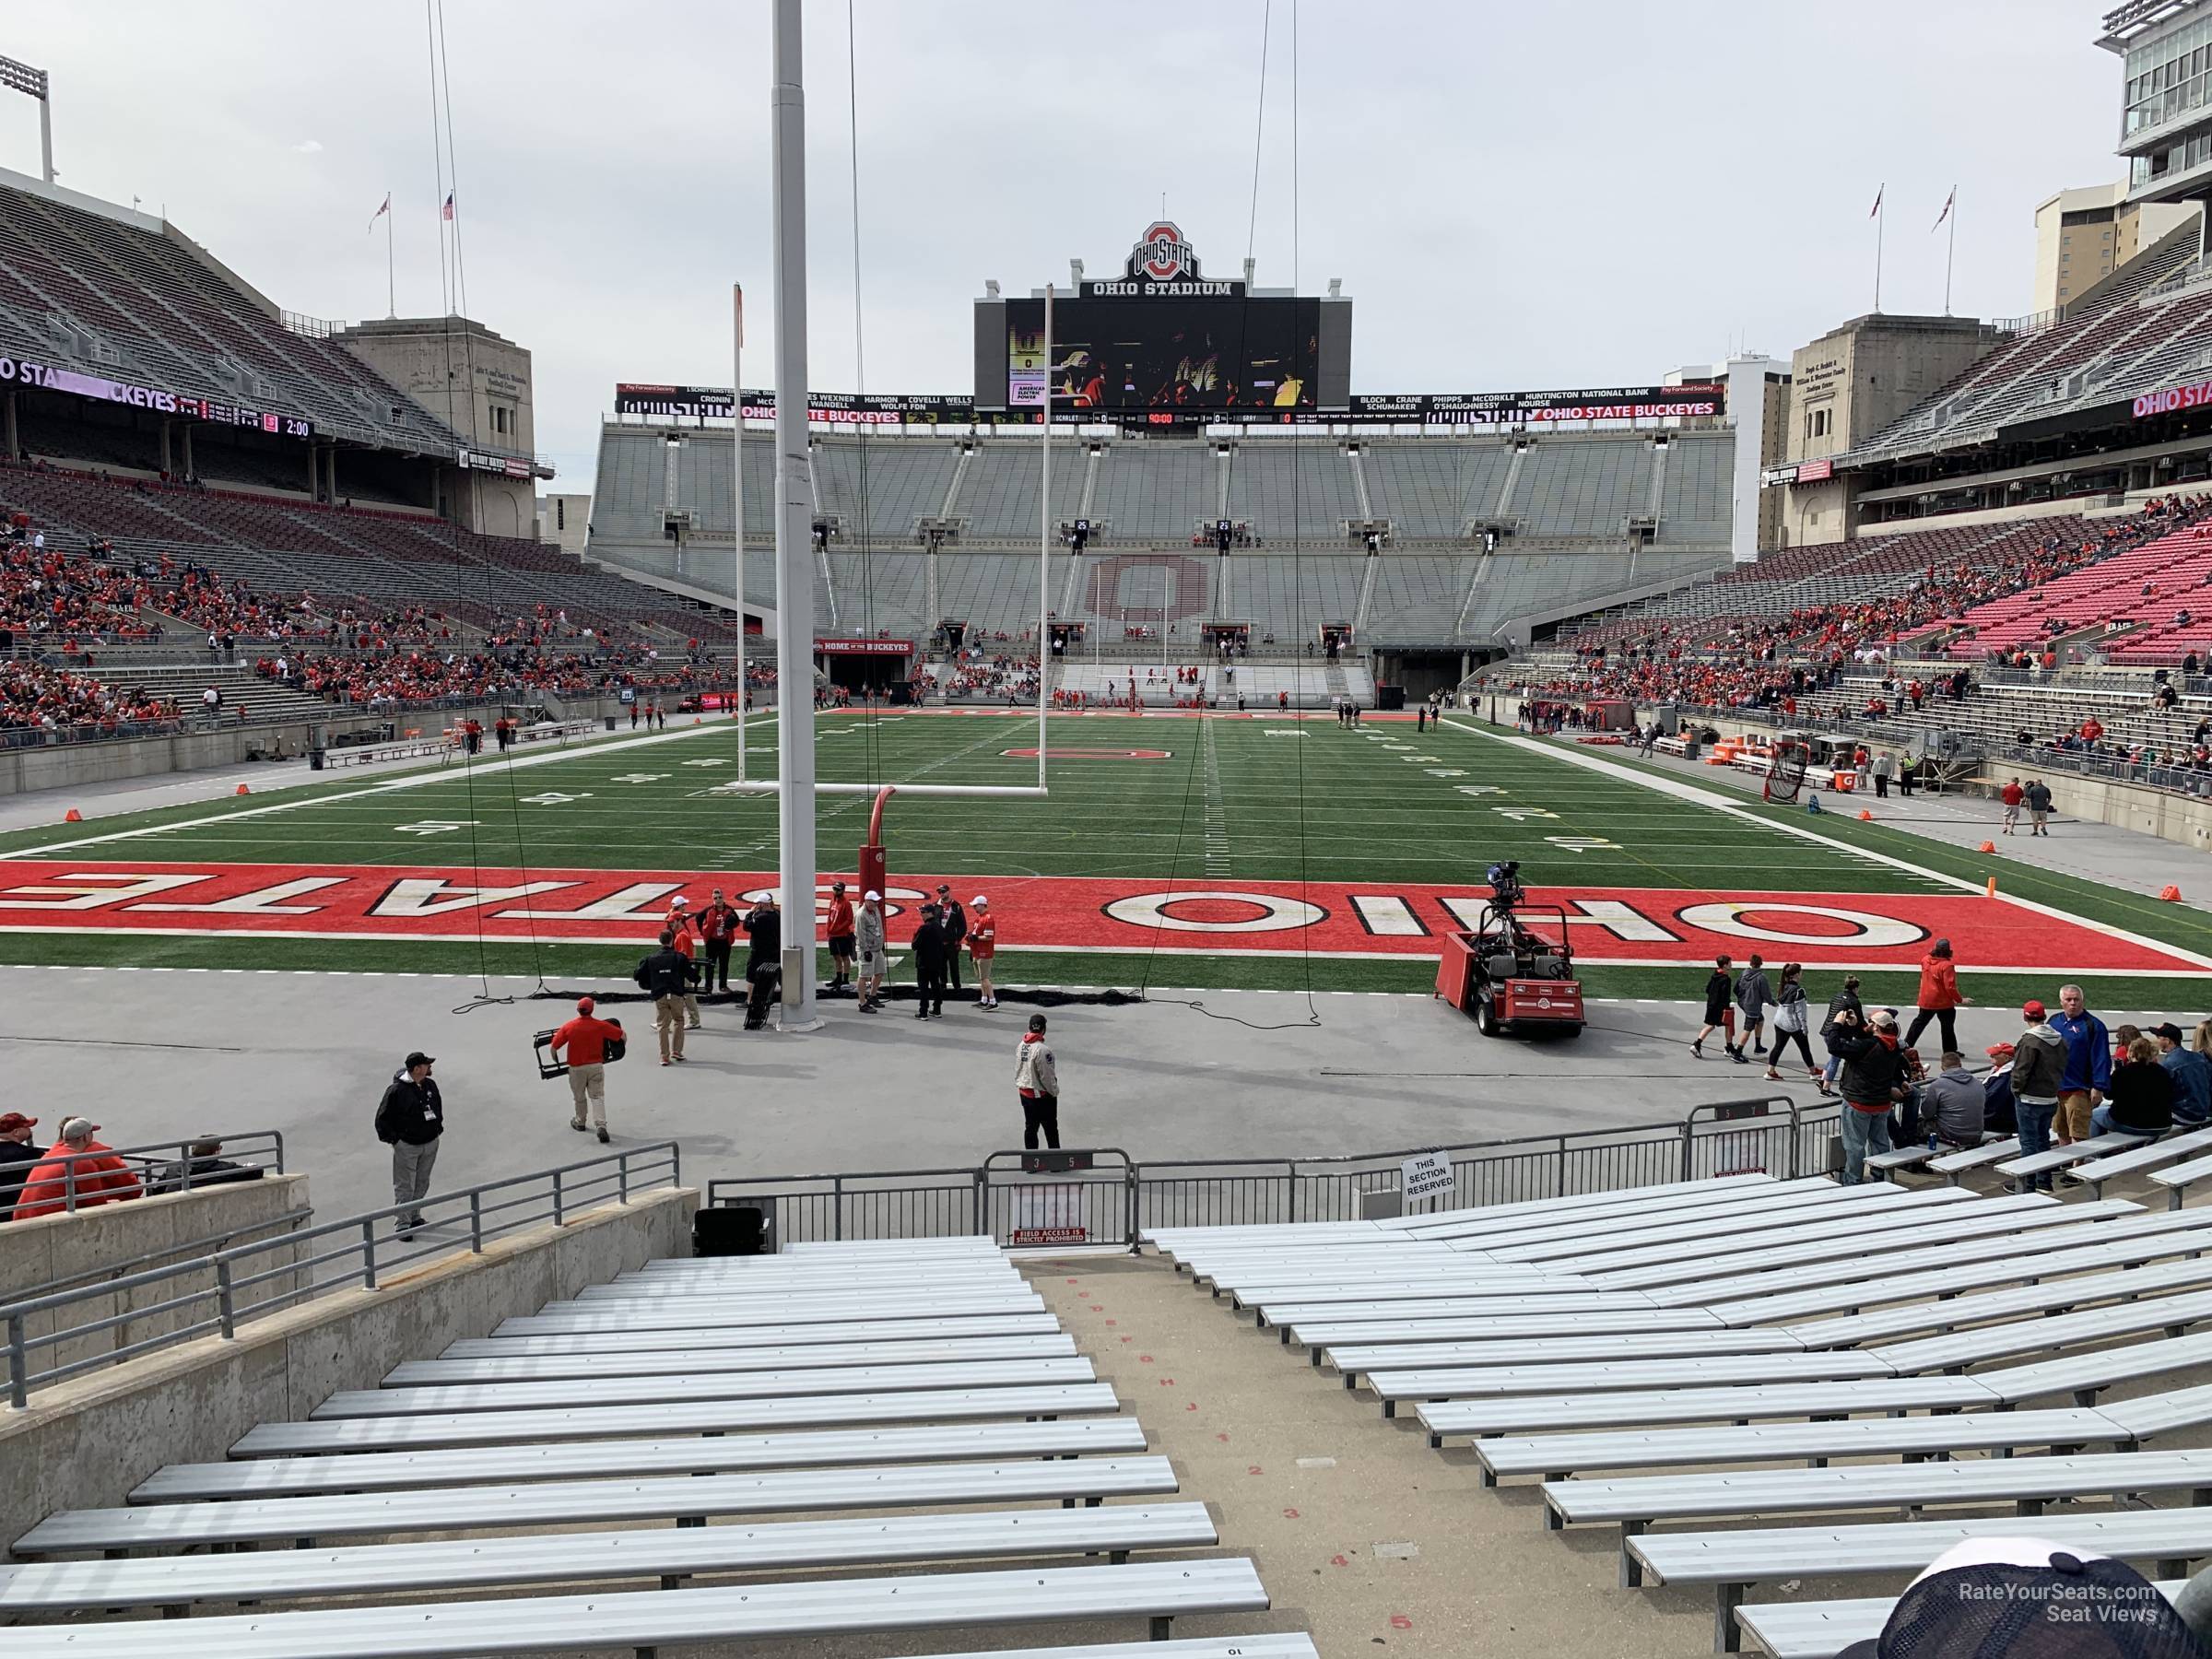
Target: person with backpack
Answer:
[[1037, 1082], [410, 1119], [667, 976]]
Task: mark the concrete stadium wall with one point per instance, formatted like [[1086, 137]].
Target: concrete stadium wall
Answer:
[[84, 1443], [115, 1239]]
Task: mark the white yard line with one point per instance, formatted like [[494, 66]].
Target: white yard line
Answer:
[[416, 781], [1705, 797]]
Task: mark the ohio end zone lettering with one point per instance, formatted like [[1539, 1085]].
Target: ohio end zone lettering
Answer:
[[1094, 913]]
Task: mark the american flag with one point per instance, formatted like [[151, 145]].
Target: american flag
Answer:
[[381, 211], [447, 211], [1948, 202]]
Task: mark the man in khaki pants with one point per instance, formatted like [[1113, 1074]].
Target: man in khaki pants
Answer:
[[666, 974], [583, 1042]]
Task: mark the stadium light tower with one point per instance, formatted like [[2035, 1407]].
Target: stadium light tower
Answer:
[[22, 78]]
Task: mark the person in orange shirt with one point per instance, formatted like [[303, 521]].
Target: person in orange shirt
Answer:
[[99, 1176], [838, 927], [982, 945], [583, 1042], [685, 927]]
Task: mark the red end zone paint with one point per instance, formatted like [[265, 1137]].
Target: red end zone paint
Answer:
[[1380, 920]]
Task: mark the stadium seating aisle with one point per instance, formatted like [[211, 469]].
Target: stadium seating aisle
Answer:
[[1600, 1391], [564, 1497]]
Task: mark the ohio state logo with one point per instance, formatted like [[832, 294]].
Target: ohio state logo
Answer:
[[1162, 254]]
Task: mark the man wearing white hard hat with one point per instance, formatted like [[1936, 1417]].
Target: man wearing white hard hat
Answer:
[[983, 944], [868, 933]]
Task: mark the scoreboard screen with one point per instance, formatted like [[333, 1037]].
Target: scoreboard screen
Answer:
[[1155, 354]]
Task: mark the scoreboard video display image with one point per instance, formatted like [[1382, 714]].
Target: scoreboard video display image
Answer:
[[1156, 354]]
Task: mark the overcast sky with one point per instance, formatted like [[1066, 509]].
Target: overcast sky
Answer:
[[1516, 198]]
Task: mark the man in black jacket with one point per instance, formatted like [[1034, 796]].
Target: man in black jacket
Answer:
[[17, 1157], [929, 963], [204, 1165], [763, 959], [955, 926], [1873, 1081], [410, 1119], [666, 974]]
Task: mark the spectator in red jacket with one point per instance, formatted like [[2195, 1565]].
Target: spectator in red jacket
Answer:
[[97, 1175], [1940, 998], [583, 1042]]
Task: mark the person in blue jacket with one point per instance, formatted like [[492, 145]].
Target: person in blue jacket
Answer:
[[2088, 1065], [2191, 1075]]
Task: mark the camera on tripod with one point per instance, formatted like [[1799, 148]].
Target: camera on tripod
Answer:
[[1505, 883]]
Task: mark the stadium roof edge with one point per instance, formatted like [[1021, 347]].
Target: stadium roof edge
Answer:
[[2128, 23]]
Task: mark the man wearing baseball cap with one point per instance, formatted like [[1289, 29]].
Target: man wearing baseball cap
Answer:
[[77, 1172], [16, 1156], [1990, 1598], [838, 925], [584, 1042], [2038, 1073], [869, 935], [953, 921], [410, 1119], [983, 944]]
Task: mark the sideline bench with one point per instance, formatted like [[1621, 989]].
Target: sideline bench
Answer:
[[577, 1460], [2029, 1482], [741, 1336], [1556, 1457], [1734, 1560], [536, 1368], [666, 1553], [552, 1503], [1713, 1405], [647, 1619], [705, 1417], [2097, 1171], [740, 1385], [1820, 1629]]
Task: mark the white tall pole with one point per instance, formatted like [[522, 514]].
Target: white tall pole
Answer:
[[795, 494], [391, 269], [1044, 544], [737, 496]]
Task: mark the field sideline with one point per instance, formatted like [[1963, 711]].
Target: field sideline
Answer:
[[1214, 852]]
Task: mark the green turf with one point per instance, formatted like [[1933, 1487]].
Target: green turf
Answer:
[[1235, 800]]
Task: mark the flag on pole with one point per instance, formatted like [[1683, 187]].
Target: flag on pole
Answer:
[[1877, 210], [447, 211], [1948, 203], [381, 211]]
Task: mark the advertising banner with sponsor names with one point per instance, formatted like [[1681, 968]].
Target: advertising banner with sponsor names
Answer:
[[61, 377]]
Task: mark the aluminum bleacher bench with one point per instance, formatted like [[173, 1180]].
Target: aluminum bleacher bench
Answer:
[[687, 1312], [1753, 1370], [1785, 1204], [1354, 1360], [1477, 1326], [1736, 1227], [2085, 1376], [1820, 1629], [2172, 1314], [548, 1503], [2045, 1296], [735, 1385], [1910, 1208], [941, 1281], [1526, 1292], [1953, 1165], [645, 1621], [1734, 1560], [2115, 1243], [696, 1362], [2171, 1149], [2020, 1234], [1629, 1409], [2058, 1158], [888, 1249], [666, 1553], [1415, 1306], [581, 1460], [2181, 1178], [1903, 1157], [1244, 1283], [2155, 1414], [743, 1337], [1556, 1457], [704, 1417], [1636, 1502]]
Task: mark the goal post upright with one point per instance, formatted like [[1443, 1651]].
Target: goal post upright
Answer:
[[1044, 545]]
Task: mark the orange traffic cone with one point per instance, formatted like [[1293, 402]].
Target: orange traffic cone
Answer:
[[1986, 847], [73, 817], [243, 790], [2171, 894], [1991, 890], [1865, 817], [699, 719]]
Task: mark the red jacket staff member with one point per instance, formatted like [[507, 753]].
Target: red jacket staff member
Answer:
[[982, 945], [838, 926], [99, 1176], [683, 925], [583, 1043]]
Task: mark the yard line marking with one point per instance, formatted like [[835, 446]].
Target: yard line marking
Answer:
[[1216, 822], [1705, 797], [417, 782]]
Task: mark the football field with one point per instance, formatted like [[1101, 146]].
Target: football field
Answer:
[[1172, 851]]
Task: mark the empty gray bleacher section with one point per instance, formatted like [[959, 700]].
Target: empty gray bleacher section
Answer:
[[1417, 594], [993, 592], [1000, 491], [632, 495], [1290, 595], [1289, 489], [1696, 506], [904, 481], [1583, 489], [1148, 492], [1428, 490]]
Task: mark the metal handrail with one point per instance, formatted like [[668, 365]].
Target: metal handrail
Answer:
[[366, 1257], [246, 1142]]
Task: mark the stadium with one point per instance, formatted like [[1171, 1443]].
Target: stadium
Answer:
[[640, 1001]]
